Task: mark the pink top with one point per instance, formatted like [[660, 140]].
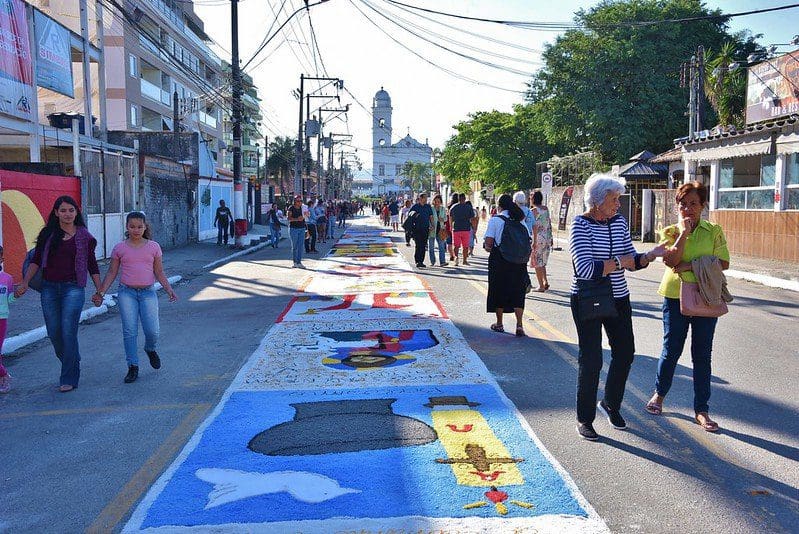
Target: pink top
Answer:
[[136, 263]]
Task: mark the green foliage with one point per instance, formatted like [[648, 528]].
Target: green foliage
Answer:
[[725, 89], [417, 176], [496, 148], [614, 87]]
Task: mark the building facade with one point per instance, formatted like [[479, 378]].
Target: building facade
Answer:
[[158, 50], [389, 159]]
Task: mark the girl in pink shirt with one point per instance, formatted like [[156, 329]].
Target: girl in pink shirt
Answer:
[[139, 259]]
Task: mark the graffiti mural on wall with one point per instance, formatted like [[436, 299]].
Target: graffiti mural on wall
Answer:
[[26, 202]]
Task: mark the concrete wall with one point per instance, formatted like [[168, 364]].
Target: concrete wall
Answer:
[[167, 195]]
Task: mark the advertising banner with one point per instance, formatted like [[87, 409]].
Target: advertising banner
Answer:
[[53, 59], [564, 207], [16, 74], [772, 89]]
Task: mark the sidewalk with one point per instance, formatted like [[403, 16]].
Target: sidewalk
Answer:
[[186, 262]]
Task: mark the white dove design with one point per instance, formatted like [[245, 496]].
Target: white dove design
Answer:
[[233, 485]]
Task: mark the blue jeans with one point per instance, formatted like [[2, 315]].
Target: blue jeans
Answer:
[[62, 303], [442, 249], [134, 305], [297, 236], [275, 238], [675, 331], [330, 225]]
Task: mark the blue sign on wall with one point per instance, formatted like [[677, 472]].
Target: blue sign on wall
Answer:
[[53, 57]]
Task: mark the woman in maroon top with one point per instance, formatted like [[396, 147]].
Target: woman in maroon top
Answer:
[[65, 252]]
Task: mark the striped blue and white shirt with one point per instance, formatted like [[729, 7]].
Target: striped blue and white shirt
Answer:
[[592, 242]]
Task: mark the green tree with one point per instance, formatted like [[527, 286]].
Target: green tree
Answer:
[[497, 148], [417, 176], [613, 85], [725, 88], [281, 161]]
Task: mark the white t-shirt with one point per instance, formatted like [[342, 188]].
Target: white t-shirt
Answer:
[[495, 226]]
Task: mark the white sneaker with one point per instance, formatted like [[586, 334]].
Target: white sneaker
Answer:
[[301, 266]]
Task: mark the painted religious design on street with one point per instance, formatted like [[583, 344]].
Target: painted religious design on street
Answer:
[[364, 409], [287, 460], [363, 306], [342, 285], [332, 354]]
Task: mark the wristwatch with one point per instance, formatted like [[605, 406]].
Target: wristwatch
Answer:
[[617, 261]]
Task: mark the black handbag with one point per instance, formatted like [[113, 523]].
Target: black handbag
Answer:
[[595, 299]]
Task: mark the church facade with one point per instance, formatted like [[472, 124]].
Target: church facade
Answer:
[[389, 158]]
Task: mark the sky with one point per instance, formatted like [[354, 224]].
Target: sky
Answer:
[[427, 101]]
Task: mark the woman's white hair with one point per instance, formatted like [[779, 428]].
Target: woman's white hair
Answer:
[[519, 198], [599, 185]]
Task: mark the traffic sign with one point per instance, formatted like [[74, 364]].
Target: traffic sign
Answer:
[[546, 183], [489, 190]]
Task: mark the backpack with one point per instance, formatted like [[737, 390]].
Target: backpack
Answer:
[[515, 244], [409, 224], [35, 282]]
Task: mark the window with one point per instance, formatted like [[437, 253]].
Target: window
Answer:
[[381, 170], [134, 115], [398, 169], [382, 142], [747, 183], [792, 181], [381, 123], [132, 67]]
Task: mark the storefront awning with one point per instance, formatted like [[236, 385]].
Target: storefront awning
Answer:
[[788, 144], [729, 148]]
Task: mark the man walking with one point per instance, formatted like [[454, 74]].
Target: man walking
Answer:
[[297, 231], [393, 211], [422, 215], [460, 216], [222, 222]]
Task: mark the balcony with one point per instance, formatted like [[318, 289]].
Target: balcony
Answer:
[[150, 90], [208, 120]]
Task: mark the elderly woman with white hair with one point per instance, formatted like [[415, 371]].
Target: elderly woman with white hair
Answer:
[[601, 250]]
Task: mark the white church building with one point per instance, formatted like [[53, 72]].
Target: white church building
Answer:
[[388, 159]]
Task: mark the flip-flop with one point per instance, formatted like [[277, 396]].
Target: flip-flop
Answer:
[[497, 328], [654, 408], [708, 425]]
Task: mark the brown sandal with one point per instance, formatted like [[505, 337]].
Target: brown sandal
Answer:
[[709, 425], [653, 406], [497, 328]]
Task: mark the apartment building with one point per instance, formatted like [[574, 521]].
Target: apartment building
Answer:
[[158, 50]]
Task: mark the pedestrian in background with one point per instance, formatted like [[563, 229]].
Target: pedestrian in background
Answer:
[[222, 222], [393, 213], [452, 201], [474, 221], [507, 281], [404, 215], [421, 215], [542, 241], [437, 233], [600, 247], [310, 217], [6, 298], [693, 238], [296, 217], [65, 253], [321, 221], [140, 260], [273, 216], [461, 215]]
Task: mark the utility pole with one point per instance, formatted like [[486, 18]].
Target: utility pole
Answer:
[[238, 188], [692, 76], [298, 163]]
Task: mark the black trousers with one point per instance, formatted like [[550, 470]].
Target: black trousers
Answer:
[[622, 350], [222, 230], [421, 246], [310, 241]]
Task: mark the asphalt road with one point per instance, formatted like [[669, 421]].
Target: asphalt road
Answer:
[[82, 460]]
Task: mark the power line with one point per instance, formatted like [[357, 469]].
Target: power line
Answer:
[[315, 43], [459, 54], [448, 39], [426, 60]]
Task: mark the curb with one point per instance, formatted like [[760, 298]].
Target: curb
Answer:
[[32, 336], [244, 252]]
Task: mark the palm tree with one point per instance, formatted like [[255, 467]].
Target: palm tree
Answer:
[[725, 88], [417, 176], [282, 154]]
